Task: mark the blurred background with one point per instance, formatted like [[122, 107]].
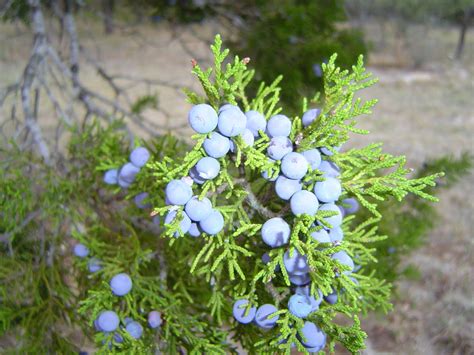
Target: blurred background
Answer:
[[131, 59]]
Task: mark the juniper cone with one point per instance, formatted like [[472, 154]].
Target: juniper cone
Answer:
[[135, 329], [265, 317], [350, 205], [139, 200], [321, 236], [118, 338], [279, 125], [256, 122], [331, 298], [328, 190], [313, 157], [184, 221], [217, 145], [121, 284], [122, 183], [312, 336], [304, 202], [108, 321], [302, 290], [300, 280], [344, 259], [94, 265], [111, 176], [310, 116], [285, 188], [197, 209], [299, 305], [336, 234], [259, 225], [268, 174], [266, 258], [195, 176], [127, 320], [178, 192], [231, 122], [328, 151], [242, 313], [227, 106], [247, 137], [202, 118], [213, 223], [335, 220], [80, 250], [295, 263], [275, 232], [279, 147], [128, 172], [154, 319], [294, 166], [194, 230], [139, 156], [208, 168], [329, 169]]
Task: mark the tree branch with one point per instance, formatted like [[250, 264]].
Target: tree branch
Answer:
[[36, 59], [253, 201]]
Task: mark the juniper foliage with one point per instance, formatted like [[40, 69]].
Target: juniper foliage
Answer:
[[409, 224], [193, 282], [231, 259]]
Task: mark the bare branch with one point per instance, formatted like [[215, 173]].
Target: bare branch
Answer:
[[5, 237], [254, 202], [36, 59]]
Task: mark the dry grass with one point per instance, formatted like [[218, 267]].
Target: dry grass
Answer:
[[423, 114]]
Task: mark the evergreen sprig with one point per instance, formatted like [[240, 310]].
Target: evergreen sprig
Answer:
[[340, 107], [230, 258], [362, 176], [193, 282]]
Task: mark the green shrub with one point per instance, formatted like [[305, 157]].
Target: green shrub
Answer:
[[293, 38], [47, 292]]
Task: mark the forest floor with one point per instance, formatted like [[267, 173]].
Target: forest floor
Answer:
[[422, 113]]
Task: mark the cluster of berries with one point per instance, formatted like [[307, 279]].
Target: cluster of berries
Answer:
[[125, 175], [230, 123], [108, 321], [197, 216], [289, 186], [266, 317], [263, 317], [81, 251], [120, 285], [223, 127]]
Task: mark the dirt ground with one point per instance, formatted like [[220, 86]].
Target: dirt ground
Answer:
[[423, 113]]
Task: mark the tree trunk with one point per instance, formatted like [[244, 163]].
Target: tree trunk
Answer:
[[464, 24], [108, 13]]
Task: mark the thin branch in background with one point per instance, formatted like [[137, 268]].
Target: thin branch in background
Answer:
[[255, 203], [5, 237], [277, 296], [36, 59], [58, 74]]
